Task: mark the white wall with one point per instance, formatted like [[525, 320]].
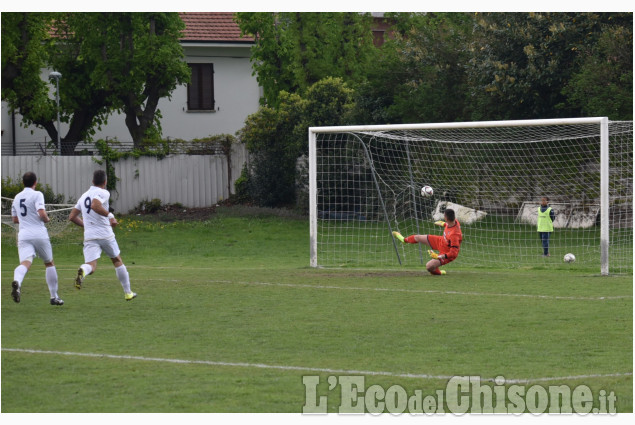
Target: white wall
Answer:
[[68, 175], [192, 180], [236, 93]]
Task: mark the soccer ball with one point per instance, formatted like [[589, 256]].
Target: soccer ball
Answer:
[[426, 191], [569, 258]]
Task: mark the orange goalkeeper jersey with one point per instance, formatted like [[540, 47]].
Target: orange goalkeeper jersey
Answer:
[[452, 238]]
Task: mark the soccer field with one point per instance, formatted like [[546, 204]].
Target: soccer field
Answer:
[[229, 318]]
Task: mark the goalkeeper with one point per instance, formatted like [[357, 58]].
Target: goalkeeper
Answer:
[[448, 245]]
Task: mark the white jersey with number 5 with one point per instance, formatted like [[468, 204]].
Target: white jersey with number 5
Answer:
[[96, 226], [25, 207]]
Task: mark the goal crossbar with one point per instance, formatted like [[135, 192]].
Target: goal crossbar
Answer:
[[466, 124]]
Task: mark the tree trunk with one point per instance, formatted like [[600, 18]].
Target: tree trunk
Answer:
[[81, 122], [139, 120]]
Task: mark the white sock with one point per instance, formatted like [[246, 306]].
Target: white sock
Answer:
[[124, 278], [87, 269], [51, 280], [19, 273]]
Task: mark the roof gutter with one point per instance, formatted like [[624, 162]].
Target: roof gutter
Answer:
[[245, 44]]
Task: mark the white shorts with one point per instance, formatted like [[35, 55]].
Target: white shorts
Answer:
[[94, 247], [35, 247]]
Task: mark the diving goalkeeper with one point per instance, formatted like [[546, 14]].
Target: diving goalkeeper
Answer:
[[448, 245]]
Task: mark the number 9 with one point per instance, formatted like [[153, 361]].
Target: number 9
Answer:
[[87, 204]]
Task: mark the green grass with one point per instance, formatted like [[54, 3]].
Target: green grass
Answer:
[[238, 289], [494, 242]]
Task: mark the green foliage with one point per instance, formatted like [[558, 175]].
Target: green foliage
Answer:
[[10, 188], [268, 135], [276, 138], [419, 76], [141, 60], [295, 50], [108, 157], [241, 187], [25, 51], [109, 62], [603, 85], [444, 67], [226, 141], [327, 102], [151, 206], [109, 154], [523, 61], [211, 145], [109, 151]]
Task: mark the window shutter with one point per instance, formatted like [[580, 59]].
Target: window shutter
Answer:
[[200, 91]]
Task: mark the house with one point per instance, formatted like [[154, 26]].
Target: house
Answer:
[[222, 93], [381, 28]]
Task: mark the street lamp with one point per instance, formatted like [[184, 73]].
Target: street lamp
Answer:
[[57, 75]]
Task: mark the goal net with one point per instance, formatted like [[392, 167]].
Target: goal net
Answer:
[[58, 213], [365, 182]]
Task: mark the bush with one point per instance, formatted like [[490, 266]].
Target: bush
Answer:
[[149, 207], [277, 137], [242, 188], [10, 188]]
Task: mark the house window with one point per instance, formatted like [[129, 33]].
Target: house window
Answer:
[[200, 90]]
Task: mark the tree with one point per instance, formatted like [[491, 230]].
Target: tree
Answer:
[[295, 50], [276, 137], [26, 50], [109, 62], [420, 74], [139, 60], [464, 67], [523, 61], [267, 135], [603, 85]]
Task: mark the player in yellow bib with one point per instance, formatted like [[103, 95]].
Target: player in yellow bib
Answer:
[[546, 218]]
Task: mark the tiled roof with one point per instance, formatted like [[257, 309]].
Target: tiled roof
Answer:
[[211, 26]]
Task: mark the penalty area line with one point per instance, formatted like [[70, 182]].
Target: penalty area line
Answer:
[[305, 368]]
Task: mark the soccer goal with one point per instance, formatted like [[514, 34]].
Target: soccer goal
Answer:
[[58, 214], [365, 182]]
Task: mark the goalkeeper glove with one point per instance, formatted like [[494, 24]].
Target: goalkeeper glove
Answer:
[[440, 223], [433, 254]]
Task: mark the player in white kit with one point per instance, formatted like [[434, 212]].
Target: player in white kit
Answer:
[[28, 211], [98, 222]]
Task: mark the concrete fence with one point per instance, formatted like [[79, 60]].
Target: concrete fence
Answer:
[[192, 180]]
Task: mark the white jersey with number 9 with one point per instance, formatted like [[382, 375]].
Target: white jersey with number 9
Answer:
[[96, 226]]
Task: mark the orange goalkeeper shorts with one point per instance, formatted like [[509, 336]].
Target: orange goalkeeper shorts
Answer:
[[438, 243]]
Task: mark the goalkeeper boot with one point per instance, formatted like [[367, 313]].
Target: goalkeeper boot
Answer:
[[80, 278], [442, 271], [130, 295], [398, 236], [15, 291], [57, 301]]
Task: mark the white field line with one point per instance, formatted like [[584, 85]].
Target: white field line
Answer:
[[306, 368], [412, 291]]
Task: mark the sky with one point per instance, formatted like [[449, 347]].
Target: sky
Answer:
[[323, 5]]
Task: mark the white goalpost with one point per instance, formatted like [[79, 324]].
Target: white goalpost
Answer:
[[365, 182]]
